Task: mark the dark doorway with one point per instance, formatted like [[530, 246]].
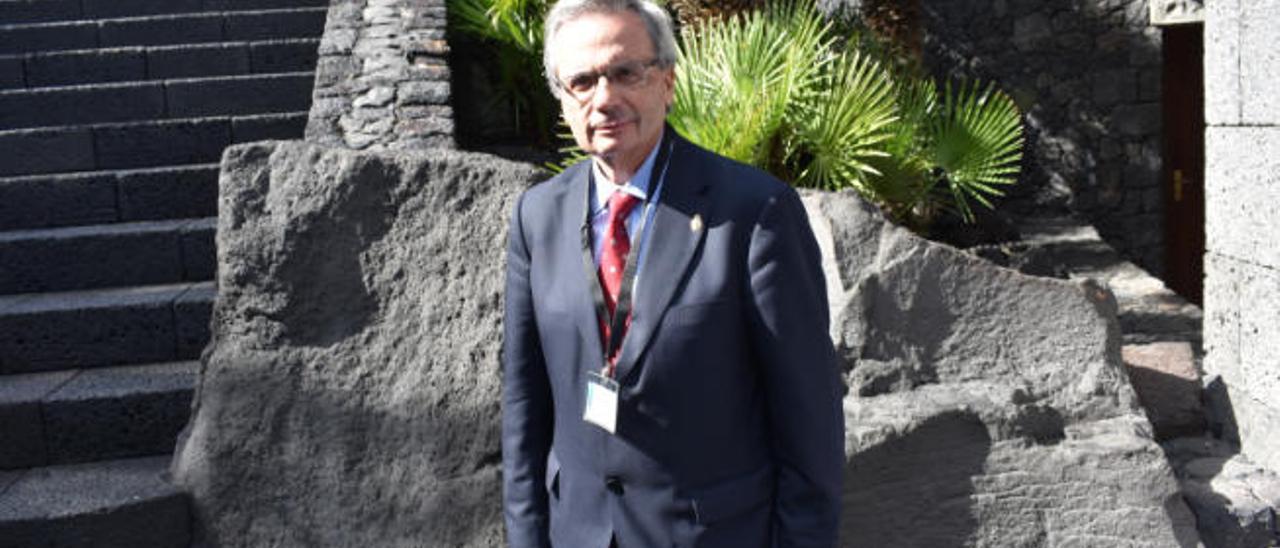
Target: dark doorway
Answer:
[[1183, 172]]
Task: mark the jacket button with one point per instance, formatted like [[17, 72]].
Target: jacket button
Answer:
[[613, 484]]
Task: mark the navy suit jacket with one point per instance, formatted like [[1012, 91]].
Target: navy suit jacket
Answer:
[[729, 428]]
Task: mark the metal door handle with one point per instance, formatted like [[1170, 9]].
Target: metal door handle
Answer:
[[1177, 185]]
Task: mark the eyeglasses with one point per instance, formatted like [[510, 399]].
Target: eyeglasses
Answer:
[[627, 74]]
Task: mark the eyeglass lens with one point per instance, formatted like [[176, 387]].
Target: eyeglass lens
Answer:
[[626, 74]]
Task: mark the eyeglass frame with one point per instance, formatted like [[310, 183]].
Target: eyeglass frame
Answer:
[[586, 95]]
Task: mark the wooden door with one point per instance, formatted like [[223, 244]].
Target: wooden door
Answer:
[[1183, 172]]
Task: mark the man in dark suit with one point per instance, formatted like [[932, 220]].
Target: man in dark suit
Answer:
[[668, 375]]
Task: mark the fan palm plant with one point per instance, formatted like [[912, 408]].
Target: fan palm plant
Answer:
[[738, 79], [780, 88], [773, 88], [975, 142]]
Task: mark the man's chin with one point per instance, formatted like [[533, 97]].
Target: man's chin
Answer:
[[606, 148]]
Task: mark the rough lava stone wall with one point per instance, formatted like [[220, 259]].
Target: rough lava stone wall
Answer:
[[1242, 178], [1087, 74], [350, 394], [382, 80]]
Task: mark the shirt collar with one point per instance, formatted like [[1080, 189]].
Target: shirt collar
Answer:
[[637, 186]]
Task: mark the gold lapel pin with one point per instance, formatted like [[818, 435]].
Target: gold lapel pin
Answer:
[[695, 224]]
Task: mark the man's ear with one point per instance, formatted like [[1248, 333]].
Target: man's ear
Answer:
[[669, 86]]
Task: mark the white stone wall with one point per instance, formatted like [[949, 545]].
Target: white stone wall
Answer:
[[1242, 172]]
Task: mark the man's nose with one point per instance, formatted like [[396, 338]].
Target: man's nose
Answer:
[[605, 93]]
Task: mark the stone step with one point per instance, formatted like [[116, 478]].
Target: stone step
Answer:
[[109, 255], [43, 11], [103, 327], [39, 11], [86, 415], [141, 63], [129, 145], [121, 503], [96, 197], [155, 100], [193, 28]]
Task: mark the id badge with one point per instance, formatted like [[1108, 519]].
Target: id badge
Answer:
[[602, 402]]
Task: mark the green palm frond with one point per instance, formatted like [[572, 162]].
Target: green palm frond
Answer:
[[838, 131], [901, 188], [904, 181], [472, 17], [570, 153], [519, 21], [917, 103], [736, 80], [514, 23], [976, 141]]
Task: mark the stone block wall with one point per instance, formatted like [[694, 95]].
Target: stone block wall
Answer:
[[1242, 178], [1087, 75], [382, 79]]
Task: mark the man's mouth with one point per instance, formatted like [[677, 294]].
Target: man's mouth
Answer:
[[611, 125]]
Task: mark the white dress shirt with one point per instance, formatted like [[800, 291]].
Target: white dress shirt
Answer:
[[637, 186]]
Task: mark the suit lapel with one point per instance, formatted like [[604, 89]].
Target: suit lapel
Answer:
[[673, 241], [576, 205]]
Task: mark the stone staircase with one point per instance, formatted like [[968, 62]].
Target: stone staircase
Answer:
[[113, 117]]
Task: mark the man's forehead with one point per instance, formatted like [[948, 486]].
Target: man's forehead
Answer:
[[596, 37]]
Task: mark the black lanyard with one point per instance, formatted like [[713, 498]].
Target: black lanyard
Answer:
[[622, 308]]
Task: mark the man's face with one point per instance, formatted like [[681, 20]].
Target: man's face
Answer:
[[616, 123]]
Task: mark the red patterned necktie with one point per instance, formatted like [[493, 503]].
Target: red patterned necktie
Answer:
[[613, 256]]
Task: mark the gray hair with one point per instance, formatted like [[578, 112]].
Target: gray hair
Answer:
[[656, 22]]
